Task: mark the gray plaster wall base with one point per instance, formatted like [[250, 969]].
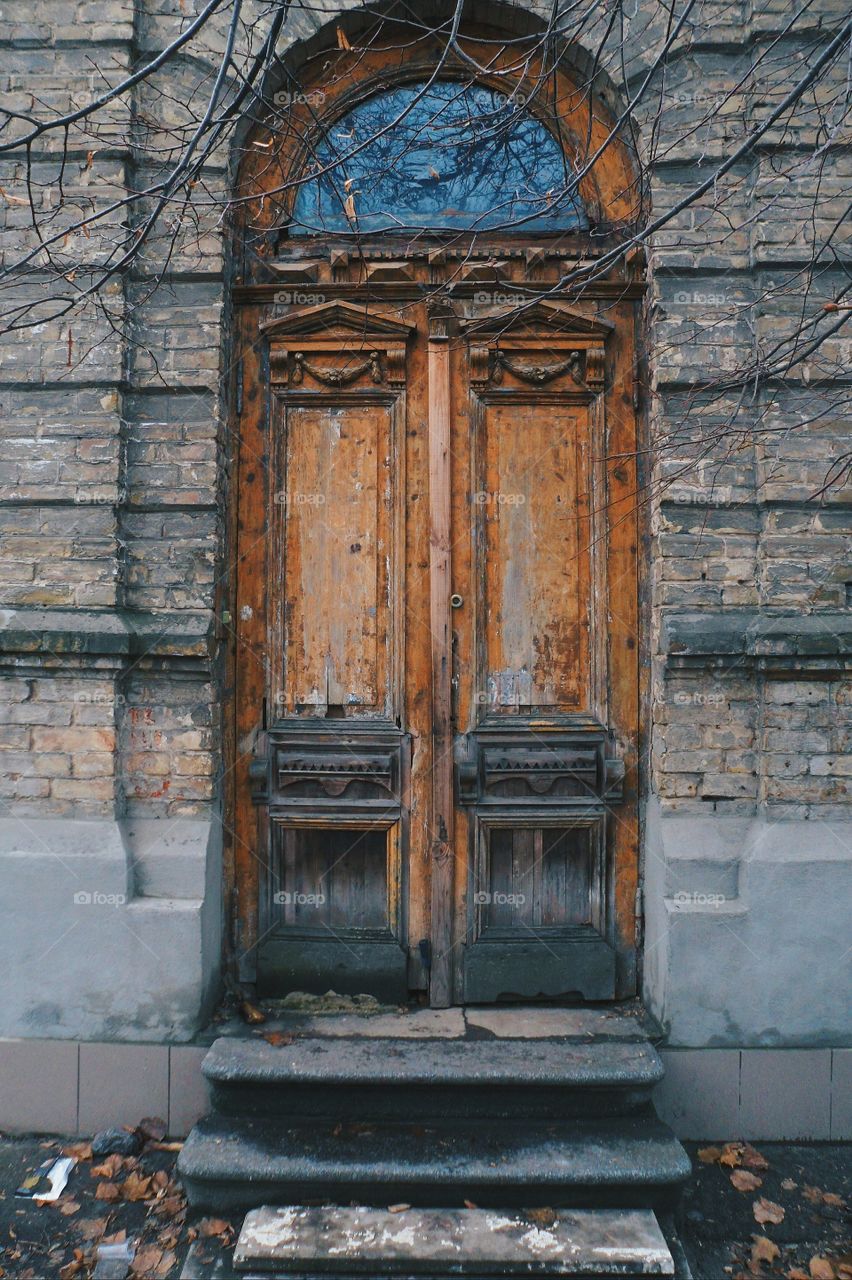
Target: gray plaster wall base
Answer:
[[84, 954], [744, 927]]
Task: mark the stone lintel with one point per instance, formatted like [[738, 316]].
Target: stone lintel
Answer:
[[98, 632]]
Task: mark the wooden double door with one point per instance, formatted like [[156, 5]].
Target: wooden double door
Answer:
[[436, 623]]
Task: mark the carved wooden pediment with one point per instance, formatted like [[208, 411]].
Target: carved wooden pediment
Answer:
[[337, 344], [541, 317], [537, 346], [321, 319]]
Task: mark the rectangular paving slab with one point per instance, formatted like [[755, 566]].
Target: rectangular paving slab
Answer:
[[332, 1240]]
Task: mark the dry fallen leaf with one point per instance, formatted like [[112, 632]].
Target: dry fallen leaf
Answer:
[[165, 1146], [821, 1268], [342, 41], [752, 1158], [108, 1168], [764, 1249], [107, 1191], [91, 1228], [153, 1128], [789, 1185], [67, 1207], [398, 1208], [767, 1211], [70, 1269], [742, 1180], [214, 1227], [79, 1150], [813, 1194], [278, 1038], [542, 1217], [170, 1206], [709, 1155], [731, 1154], [796, 1273], [251, 1014], [468, 1204], [147, 1260], [836, 1202], [137, 1187]]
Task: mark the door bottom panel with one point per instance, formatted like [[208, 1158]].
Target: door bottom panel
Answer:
[[540, 967], [346, 965]]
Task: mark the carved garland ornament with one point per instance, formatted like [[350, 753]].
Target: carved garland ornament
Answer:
[[336, 377], [585, 367], [538, 374]]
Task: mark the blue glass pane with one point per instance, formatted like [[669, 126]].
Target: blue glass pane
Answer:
[[447, 157]]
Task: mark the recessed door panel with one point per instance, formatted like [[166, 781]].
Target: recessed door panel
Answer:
[[536, 552], [327, 878], [336, 508], [538, 877]]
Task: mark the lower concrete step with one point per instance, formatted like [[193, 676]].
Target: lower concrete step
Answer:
[[233, 1162], [294, 1241], [390, 1078]]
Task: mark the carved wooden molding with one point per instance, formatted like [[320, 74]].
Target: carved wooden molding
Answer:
[[310, 769], [336, 344], [538, 345], [336, 377], [385, 366], [559, 770], [544, 318], [326, 317], [539, 374], [585, 367]]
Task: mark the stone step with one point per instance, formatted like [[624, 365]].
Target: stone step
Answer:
[[233, 1162], [387, 1078], [433, 1243]]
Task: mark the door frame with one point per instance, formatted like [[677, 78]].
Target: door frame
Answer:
[[255, 285]]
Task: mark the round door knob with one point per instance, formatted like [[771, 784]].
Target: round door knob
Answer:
[[456, 600]]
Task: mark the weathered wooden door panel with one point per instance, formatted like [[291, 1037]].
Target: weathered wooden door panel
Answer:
[[336, 538], [539, 774], [535, 552], [334, 773]]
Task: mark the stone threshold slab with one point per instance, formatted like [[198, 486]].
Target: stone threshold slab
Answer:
[[621, 1021], [335, 1241]]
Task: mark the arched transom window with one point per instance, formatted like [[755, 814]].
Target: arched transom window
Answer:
[[440, 156]]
